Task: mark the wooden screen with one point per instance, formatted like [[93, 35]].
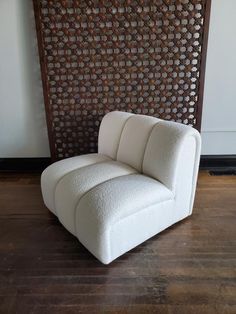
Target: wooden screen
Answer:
[[140, 56]]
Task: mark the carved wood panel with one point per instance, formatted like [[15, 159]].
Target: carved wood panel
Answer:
[[145, 57]]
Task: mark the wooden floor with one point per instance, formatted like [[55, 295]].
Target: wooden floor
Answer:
[[189, 268]]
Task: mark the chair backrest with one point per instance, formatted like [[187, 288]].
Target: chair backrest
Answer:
[[148, 144]]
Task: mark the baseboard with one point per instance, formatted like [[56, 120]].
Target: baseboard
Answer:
[[24, 164], [218, 162], [207, 162]]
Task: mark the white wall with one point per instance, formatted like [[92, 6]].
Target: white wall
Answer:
[[219, 106], [23, 130], [22, 119]]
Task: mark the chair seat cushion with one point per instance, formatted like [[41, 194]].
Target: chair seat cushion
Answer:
[[72, 187], [108, 204], [52, 174]]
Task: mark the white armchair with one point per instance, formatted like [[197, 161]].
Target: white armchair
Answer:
[[141, 181]]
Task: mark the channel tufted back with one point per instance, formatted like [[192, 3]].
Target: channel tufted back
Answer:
[[150, 145], [110, 132], [133, 140]]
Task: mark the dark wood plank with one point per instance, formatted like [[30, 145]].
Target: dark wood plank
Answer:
[[189, 268]]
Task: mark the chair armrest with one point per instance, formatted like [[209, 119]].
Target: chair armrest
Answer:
[[172, 157]]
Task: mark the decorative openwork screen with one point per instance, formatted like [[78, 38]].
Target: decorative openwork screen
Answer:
[[140, 56]]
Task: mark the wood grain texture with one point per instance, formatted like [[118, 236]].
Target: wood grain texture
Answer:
[[189, 268]]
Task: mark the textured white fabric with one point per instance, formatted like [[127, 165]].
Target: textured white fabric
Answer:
[[134, 140], [186, 176], [75, 184], [54, 172], [114, 204], [137, 228], [163, 151], [110, 131], [109, 203]]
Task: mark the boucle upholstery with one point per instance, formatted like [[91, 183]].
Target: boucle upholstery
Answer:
[[74, 185], [134, 136], [51, 175], [142, 181]]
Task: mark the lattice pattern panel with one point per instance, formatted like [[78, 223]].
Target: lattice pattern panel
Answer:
[[98, 56]]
